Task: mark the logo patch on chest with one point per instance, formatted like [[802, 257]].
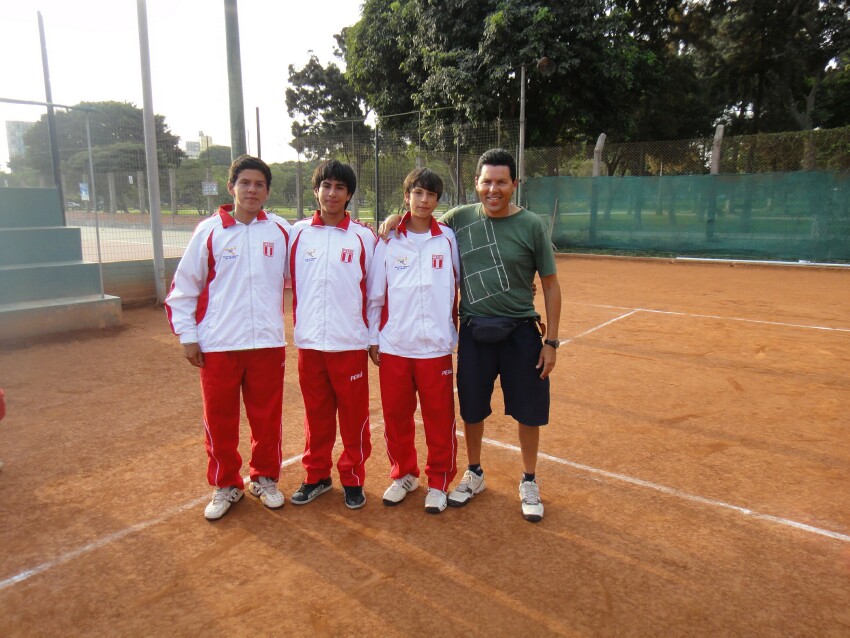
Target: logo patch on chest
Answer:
[[437, 262], [268, 248], [230, 253], [401, 263], [346, 255], [310, 255]]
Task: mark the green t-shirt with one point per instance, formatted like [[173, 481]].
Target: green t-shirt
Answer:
[[498, 260]]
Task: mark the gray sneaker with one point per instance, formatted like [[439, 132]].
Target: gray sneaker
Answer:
[[435, 501], [529, 494], [470, 485], [222, 499], [266, 490], [399, 488]]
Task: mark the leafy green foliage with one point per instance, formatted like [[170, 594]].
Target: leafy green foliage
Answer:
[[117, 139], [324, 106]]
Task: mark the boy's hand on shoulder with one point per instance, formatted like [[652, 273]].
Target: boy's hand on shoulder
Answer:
[[388, 225], [193, 354], [375, 355]]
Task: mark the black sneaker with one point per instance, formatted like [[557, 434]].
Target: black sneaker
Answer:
[[309, 491], [354, 497]]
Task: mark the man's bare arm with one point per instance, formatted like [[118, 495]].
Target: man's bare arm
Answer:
[[552, 302]]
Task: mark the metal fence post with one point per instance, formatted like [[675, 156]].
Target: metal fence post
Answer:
[[457, 167], [377, 184], [140, 181], [151, 162], [299, 188], [712, 185], [96, 216], [172, 189], [110, 183], [594, 187]]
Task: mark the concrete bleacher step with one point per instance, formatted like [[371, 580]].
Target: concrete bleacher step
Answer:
[[41, 281], [40, 245], [30, 208], [45, 286], [36, 318]]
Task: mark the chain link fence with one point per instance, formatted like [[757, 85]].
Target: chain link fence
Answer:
[[193, 187]]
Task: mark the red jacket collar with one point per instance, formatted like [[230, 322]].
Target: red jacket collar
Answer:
[[343, 225], [435, 226], [227, 219]]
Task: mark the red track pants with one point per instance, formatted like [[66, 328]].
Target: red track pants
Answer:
[[259, 376], [401, 377], [331, 383]]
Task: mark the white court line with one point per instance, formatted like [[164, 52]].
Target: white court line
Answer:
[[106, 540], [679, 494], [601, 325], [701, 316]]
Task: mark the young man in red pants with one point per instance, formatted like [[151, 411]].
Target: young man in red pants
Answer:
[[413, 324], [329, 258], [226, 305]]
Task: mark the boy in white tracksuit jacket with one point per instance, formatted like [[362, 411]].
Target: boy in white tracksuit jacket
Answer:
[[226, 305], [329, 258], [413, 329]]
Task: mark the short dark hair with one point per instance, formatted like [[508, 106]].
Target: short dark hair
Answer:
[[334, 169], [245, 162], [423, 178], [497, 157]]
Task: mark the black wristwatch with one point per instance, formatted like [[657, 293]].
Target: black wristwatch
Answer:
[[552, 342]]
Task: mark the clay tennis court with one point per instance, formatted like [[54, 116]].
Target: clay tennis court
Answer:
[[696, 477]]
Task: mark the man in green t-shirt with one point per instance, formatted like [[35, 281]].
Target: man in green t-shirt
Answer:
[[501, 248]]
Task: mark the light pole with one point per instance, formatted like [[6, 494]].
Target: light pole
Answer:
[[521, 158], [545, 66]]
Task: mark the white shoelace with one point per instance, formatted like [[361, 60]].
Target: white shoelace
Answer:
[[267, 485], [530, 493], [465, 484]]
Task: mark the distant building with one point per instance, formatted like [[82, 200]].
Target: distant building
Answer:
[[204, 140], [15, 137], [193, 149]]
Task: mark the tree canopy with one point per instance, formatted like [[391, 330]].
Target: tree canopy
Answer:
[[324, 106], [117, 139], [634, 69]]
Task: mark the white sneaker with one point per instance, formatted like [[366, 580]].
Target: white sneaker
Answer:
[[470, 485], [532, 508], [222, 499], [399, 488], [266, 490], [435, 501]]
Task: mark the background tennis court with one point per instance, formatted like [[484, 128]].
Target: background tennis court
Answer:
[[696, 476]]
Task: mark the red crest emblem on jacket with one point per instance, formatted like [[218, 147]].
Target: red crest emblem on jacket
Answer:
[[437, 262], [268, 248], [346, 256]]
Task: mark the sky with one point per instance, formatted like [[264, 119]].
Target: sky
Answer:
[[93, 54]]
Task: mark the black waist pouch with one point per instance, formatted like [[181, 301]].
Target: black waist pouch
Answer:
[[492, 329]]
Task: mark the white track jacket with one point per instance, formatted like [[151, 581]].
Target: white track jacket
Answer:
[[413, 294], [328, 266], [227, 292]]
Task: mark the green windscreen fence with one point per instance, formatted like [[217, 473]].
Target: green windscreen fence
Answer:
[[784, 216]]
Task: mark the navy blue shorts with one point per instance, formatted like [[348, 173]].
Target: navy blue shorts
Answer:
[[513, 361]]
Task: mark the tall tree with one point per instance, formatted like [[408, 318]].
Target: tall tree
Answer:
[[768, 59], [607, 66], [326, 110], [117, 138]]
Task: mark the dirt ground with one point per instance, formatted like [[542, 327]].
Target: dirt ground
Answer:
[[696, 477]]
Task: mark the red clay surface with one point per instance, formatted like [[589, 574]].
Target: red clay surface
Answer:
[[736, 395]]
